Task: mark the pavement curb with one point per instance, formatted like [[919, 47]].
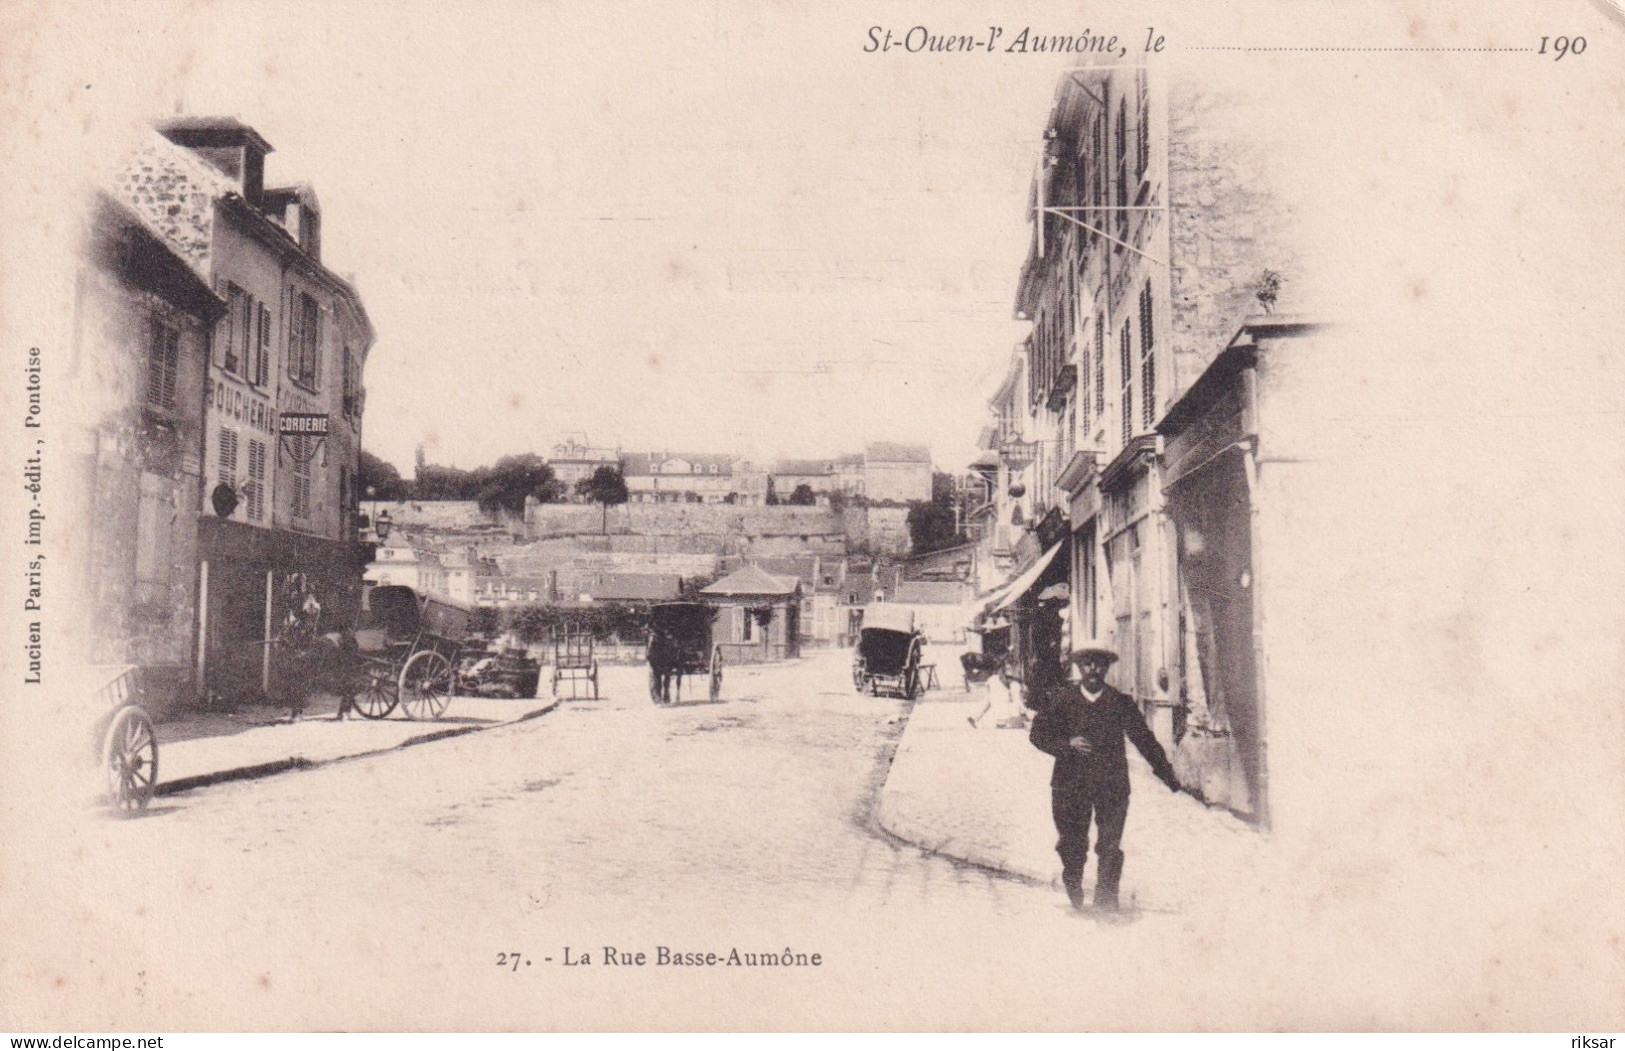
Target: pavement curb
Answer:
[[957, 849], [298, 762]]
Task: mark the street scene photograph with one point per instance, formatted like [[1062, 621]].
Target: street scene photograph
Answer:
[[552, 518]]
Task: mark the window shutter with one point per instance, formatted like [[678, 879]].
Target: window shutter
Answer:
[[228, 456], [296, 334], [1126, 355], [256, 480], [1148, 360], [262, 367], [163, 364]]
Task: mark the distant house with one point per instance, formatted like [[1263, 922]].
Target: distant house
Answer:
[[400, 561], [820, 476], [575, 459], [673, 478], [893, 471]]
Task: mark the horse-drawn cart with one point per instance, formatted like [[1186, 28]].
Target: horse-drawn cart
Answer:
[[680, 645], [406, 654], [887, 663]]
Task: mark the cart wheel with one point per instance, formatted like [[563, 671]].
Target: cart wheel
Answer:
[[716, 673], [130, 760], [425, 685], [374, 694]]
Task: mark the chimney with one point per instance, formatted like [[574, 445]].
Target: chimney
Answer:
[[229, 145], [296, 210]]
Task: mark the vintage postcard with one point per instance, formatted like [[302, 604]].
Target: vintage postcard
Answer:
[[539, 516]]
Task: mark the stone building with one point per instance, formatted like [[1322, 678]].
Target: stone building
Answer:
[[284, 403], [137, 372]]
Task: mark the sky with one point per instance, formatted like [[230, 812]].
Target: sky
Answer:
[[703, 227], [680, 227]]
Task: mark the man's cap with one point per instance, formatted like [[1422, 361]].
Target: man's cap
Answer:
[[1092, 648]]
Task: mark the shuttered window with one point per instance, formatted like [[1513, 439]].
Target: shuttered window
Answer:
[[255, 489], [262, 361], [1122, 171], [232, 334], [1100, 365], [1142, 126], [301, 477], [228, 456], [1148, 360], [163, 365], [1126, 358], [304, 341]]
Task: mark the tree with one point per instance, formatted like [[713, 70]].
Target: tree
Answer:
[[606, 488], [513, 479], [435, 482], [931, 526], [377, 479], [803, 496]]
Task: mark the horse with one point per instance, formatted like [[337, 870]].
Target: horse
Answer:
[[665, 667]]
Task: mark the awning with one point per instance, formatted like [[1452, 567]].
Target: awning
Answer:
[[1009, 594]]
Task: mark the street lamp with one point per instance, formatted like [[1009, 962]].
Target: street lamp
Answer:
[[381, 525]]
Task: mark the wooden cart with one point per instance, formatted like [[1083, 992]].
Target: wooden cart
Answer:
[[406, 653], [574, 663]]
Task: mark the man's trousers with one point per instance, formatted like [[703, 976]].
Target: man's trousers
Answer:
[[1074, 807]]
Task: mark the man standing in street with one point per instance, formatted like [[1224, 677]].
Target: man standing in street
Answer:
[[1083, 726]]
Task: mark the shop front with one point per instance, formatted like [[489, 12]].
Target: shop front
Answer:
[[263, 593]]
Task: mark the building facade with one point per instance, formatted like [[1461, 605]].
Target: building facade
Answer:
[[673, 478], [894, 472], [143, 329], [1154, 234], [277, 512]]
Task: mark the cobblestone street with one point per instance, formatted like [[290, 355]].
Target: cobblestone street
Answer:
[[698, 827]]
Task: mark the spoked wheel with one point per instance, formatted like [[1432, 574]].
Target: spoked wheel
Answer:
[[374, 693], [716, 673], [130, 760], [425, 685]]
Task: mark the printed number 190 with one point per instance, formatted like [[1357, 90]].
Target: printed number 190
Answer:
[[1561, 46]]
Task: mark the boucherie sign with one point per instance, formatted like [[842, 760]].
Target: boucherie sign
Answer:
[[302, 423]]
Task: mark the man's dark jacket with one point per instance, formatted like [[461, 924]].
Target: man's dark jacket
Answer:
[[1104, 723]]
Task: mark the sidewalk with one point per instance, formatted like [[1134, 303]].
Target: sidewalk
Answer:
[[982, 796], [205, 748]]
